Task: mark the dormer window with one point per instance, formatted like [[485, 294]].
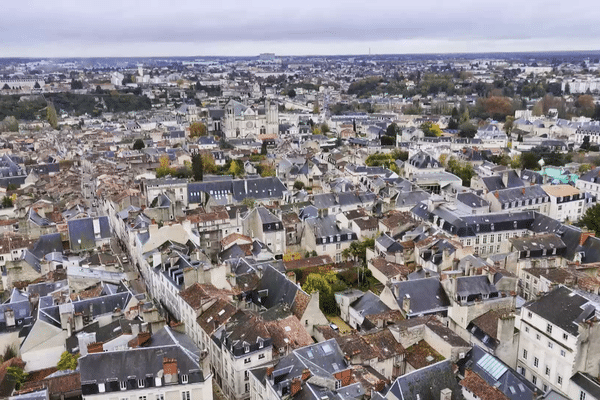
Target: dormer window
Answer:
[[246, 349], [101, 388], [141, 383], [261, 344], [123, 385], [184, 378]]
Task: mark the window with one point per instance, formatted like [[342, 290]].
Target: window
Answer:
[[261, 344], [338, 246], [534, 379], [246, 375], [581, 395], [549, 329], [484, 239], [324, 247], [559, 380], [184, 378], [526, 329], [101, 388], [537, 336], [160, 396], [185, 395], [525, 354], [477, 240], [521, 370], [123, 385], [261, 356], [247, 360], [140, 383], [545, 388], [246, 387], [550, 345], [536, 362], [338, 384], [565, 336], [246, 349], [563, 353], [547, 370], [529, 314]]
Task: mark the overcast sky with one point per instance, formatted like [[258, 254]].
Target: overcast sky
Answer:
[[82, 28]]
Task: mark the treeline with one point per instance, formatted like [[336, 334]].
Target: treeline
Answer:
[[34, 107]]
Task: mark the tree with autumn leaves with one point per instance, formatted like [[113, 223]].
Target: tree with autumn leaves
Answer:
[[197, 129]]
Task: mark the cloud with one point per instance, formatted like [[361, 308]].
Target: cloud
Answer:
[[85, 28]]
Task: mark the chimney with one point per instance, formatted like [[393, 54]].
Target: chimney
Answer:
[[295, 386], [270, 371], [96, 347], [497, 194], [305, 374], [170, 370], [505, 178], [135, 329], [396, 290], [9, 317], [584, 235], [446, 394], [506, 327], [406, 303]]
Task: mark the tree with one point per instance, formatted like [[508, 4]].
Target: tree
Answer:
[[267, 170], [358, 250], [567, 88], [18, 375], [583, 168], [236, 168], [298, 185], [263, 148], [585, 144], [249, 202], [164, 169], [467, 130], [319, 283], [75, 84], [529, 160], [138, 144], [197, 168], [508, 124], [591, 219], [392, 129], [51, 116], [197, 129], [67, 361], [325, 128], [209, 165], [431, 129], [7, 202], [291, 93]]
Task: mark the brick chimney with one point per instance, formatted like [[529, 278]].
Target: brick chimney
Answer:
[[170, 370], [305, 374], [584, 235], [295, 387], [270, 371], [96, 347]]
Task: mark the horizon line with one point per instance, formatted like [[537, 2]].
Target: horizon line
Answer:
[[315, 55]]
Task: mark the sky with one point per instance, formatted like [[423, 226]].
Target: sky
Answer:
[[121, 28]]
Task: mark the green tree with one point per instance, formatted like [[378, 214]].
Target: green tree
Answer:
[[298, 185], [263, 148], [17, 375], [236, 168], [67, 361], [197, 129], [585, 144], [319, 283], [267, 170], [508, 124], [325, 128], [197, 168], [249, 202], [138, 144], [51, 116], [467, 130], [7, 202], [392, 129], [291, 93], [358, 250], [431, 129], [591, 219]]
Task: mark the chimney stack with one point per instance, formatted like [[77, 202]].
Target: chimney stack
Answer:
[[96, 347], [170, 370], [406, 303]]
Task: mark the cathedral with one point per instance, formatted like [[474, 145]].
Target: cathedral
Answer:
[[249, 122]]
